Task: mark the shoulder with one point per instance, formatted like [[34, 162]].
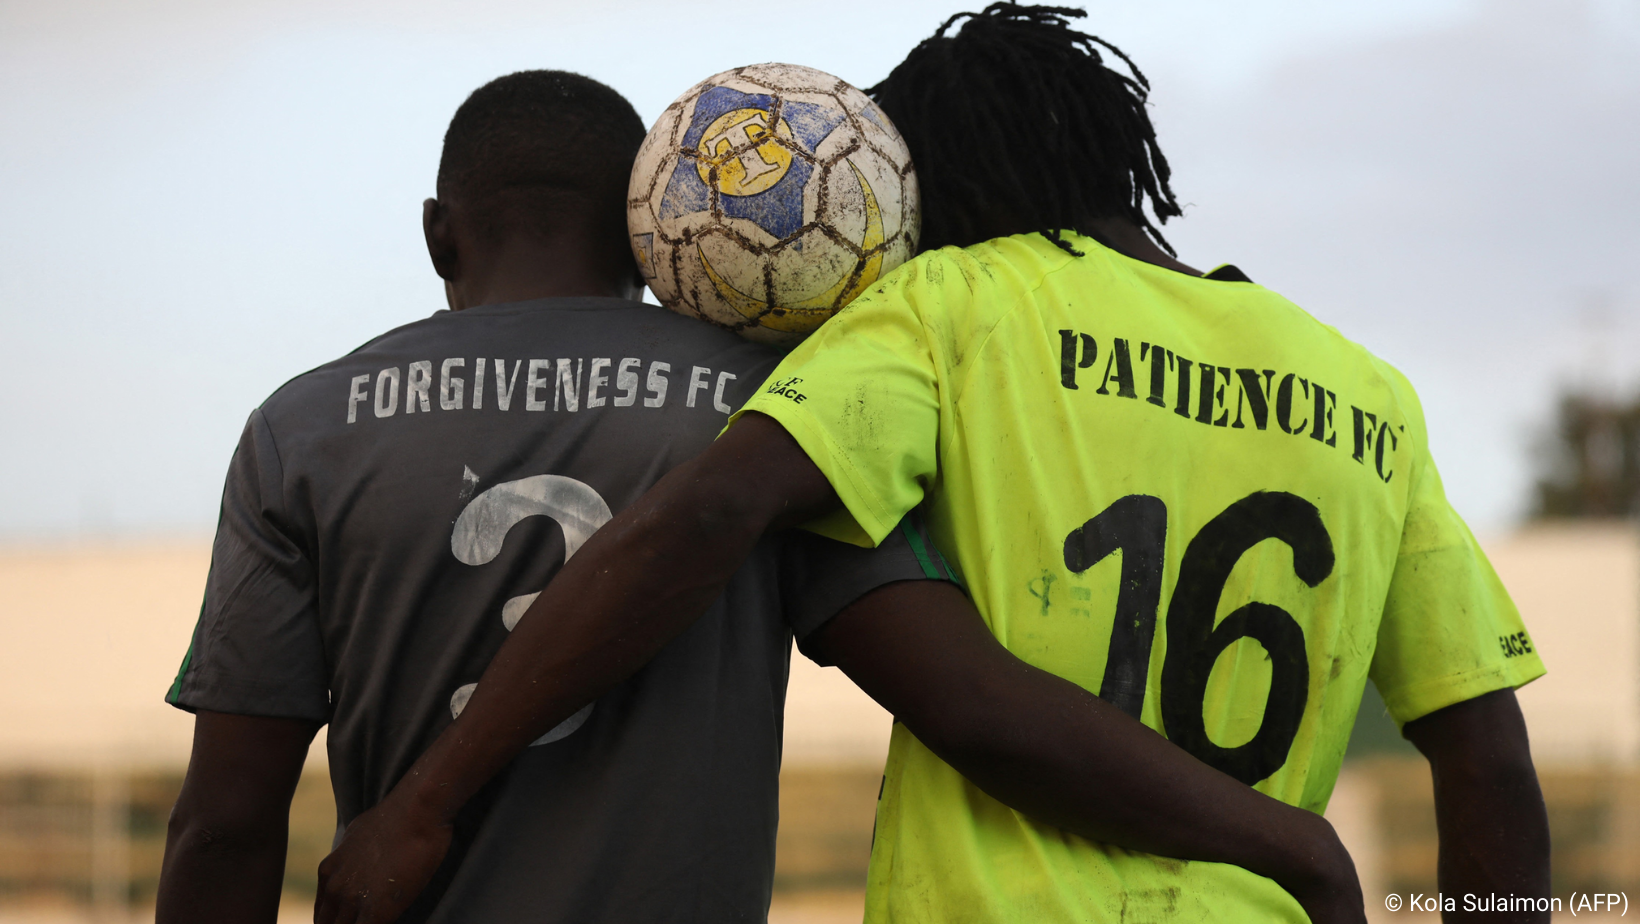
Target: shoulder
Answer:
[[1405, 395], [653, 324], [981, 277], [1372, 393], [956, 295], [299, 390], [1368, 367]]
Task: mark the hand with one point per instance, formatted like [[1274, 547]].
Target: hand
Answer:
[[384, 861], [1325, 883]]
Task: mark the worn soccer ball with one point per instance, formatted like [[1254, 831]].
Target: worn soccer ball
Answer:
[[767, 197]]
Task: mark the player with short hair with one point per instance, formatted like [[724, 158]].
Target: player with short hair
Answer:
[[1175, 489], [382, 530]]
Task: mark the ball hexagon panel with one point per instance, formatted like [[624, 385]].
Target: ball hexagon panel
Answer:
[[767, 197]]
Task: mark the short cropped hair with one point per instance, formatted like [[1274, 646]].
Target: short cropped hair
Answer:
[[526, 148]]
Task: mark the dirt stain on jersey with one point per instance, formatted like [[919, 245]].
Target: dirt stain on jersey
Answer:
[[1045, 582], [859, 421], [1149, 906]]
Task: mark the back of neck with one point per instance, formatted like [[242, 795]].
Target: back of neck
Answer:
[[1130, 240], [526, 267]]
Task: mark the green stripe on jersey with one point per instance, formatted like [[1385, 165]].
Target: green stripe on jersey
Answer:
[[919, 547], [187, 659]]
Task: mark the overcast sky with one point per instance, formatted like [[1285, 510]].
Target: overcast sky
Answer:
[[206, 198]]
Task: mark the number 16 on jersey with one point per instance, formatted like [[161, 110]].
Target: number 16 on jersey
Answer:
[[1137, 525]]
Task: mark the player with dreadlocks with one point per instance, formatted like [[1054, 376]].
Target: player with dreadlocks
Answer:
[[1046, 83], [1180, 504]]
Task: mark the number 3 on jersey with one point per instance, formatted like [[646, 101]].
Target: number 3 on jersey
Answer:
[[1137, 525]]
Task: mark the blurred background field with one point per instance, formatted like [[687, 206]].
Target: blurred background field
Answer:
[[85, 787], [208, 198]]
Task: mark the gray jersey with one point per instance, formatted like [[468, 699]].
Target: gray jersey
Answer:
[[389, 516]]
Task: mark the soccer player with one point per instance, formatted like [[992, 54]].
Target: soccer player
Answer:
[[383, 527], [1176, 489]]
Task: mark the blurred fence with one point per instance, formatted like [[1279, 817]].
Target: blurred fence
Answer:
[[93, 842], [88, 773], [1594, 827]]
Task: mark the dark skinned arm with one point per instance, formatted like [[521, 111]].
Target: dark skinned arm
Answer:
[[225, 845], [646, 576], [638, 582], [1489, 810], [1047, 747]]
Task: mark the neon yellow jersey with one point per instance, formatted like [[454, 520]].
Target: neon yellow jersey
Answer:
[[1186, 495]]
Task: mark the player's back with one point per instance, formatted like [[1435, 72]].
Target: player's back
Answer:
[[1154, 451], [1182, 493], [388, 518]]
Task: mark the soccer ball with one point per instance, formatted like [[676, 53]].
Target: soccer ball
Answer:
[[767, 197]]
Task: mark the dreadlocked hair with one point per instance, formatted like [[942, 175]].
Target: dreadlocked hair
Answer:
[[1017, 115]]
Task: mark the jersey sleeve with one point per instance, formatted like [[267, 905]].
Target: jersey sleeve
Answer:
[[1449, 632], [820, 577], [862, 398], [257, 649]]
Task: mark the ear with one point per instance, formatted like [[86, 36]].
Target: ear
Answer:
[[441, 240]]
